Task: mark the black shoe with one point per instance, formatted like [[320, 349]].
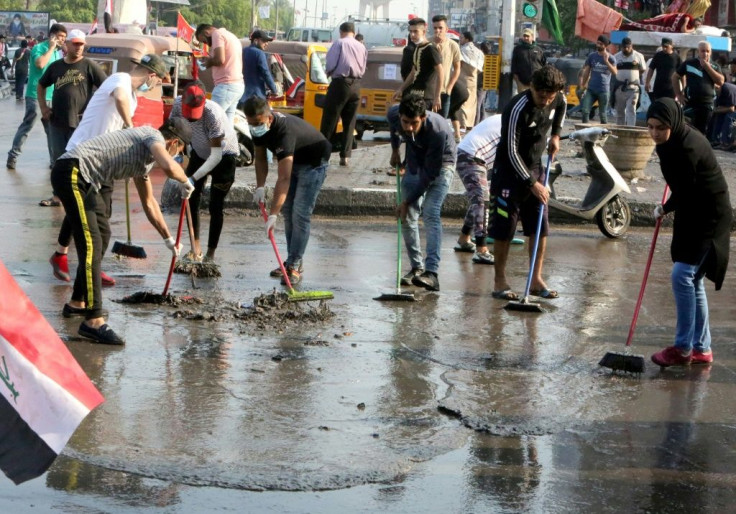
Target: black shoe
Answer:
[[102, 335], [427, 280], [69, 312], [406, 279], [11, 163]]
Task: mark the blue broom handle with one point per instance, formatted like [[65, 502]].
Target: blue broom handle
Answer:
[[533, 264], [398, 231]]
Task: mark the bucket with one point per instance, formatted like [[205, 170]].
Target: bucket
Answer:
[[629, 148]]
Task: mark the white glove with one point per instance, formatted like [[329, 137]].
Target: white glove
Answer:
[[658, 212], [259, 195], [171, 245], [186, 188], [208, 165], [270, 223]]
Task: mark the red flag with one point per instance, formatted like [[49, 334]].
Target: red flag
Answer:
[[44, 394], [183, 29]]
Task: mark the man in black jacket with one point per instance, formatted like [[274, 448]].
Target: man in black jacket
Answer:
[[526, 58]]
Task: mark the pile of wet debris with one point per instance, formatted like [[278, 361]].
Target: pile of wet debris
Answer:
[[266, 311]]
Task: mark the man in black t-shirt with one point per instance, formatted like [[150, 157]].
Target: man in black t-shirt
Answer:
[[74, 79], [664, 63], [303, 156], [694, 84], [426, 74]]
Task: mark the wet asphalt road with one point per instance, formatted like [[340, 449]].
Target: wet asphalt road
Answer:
[[450, 404]]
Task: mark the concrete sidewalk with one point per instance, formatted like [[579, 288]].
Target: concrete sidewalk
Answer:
[[365, 188]]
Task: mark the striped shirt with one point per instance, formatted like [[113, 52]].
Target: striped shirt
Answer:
[[214, 123], [482, 141], [116, 155]]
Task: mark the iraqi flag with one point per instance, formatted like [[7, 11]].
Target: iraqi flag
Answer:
[[183, 29], [44, 394]]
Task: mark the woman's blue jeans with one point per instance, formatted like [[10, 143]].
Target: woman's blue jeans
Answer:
[[430, 206], [306, 182], [693, 330]]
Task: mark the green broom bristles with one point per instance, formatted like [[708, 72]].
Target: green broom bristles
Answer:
[[299, 296]]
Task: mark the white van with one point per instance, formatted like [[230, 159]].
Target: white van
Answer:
[[309, 35]]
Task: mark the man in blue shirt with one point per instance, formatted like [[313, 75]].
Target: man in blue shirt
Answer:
[[255, 67], [595, 81], [430, 164]]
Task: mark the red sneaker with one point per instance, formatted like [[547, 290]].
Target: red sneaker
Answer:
[[702, 357], [60, 265], [671, 356], [107, 280]]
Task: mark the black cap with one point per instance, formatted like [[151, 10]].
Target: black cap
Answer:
[[259, 34], [626, 41], [666, 41], [603, 39], [180, 128], [152, 63]]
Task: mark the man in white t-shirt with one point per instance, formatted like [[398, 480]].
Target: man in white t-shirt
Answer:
[[631, 69], [110, 108]]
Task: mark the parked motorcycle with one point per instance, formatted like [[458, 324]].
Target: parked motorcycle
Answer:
[[602, 200]]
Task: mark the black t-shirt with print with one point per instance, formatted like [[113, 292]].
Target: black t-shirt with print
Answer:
[[73, 87], [700, 87], [426, 57], [292, 136]]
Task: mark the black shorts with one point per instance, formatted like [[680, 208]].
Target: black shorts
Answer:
[[512, 201]]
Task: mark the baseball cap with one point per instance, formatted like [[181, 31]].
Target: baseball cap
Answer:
[[76, 36], [603, 39], [192, 102], [259, 34], [153, 63], [180, 128], [626, 41], [527, 31]]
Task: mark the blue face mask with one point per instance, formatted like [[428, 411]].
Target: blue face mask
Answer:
[[259, 130], [144, 87]]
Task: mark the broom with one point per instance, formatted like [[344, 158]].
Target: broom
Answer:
[[128, 249], [525, 304], [398, 296], [624, 361], [294, 296]]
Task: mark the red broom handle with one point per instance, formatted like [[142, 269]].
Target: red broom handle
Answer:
[[184, 203], [646, 271], [276, 248]]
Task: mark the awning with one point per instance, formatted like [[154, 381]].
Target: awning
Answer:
[[179, 2]]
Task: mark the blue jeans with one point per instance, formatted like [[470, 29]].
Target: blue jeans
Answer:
[[693, 330], [227, 96], [588, 101], [429, 205], [306, 182], [33, 113], [725, 128]]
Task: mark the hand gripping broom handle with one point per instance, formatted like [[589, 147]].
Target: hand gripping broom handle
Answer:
[[276, 248], [646, 272], [184, 204]]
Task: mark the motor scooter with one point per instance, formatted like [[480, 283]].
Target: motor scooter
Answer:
[[245, 141], [602, 200]]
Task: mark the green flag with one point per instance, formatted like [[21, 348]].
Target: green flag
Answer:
[[551, 20]]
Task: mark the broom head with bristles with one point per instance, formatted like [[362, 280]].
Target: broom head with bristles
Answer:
[[128, 250], [626, 362], [305, 296], [524, 305]]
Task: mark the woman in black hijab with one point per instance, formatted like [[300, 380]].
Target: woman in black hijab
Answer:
[[700, 238]]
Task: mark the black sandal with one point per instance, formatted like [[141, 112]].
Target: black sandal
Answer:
[[50, 202]]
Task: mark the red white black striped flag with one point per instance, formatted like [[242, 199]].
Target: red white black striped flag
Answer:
[[44, 394]]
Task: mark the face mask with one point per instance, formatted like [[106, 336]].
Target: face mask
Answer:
[[144, 87], [259, 130]]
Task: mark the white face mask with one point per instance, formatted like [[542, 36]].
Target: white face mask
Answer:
[[259, 130]]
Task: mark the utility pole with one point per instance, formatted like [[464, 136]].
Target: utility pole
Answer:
[[508, 27], [252, 15]]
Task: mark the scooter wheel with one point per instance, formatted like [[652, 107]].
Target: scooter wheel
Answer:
[[614, 218]]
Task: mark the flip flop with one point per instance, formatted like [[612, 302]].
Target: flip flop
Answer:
[[506, 294], [49, 202], [548, 294]]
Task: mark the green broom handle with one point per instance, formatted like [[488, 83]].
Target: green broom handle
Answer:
[[398, 231], [127, 209]]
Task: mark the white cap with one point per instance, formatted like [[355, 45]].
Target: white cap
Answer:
[[76, 36]]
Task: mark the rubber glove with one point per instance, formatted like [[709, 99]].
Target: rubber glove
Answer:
[[259, 195], [171, 245], [270, 223], [186, 188], [658, 212]]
